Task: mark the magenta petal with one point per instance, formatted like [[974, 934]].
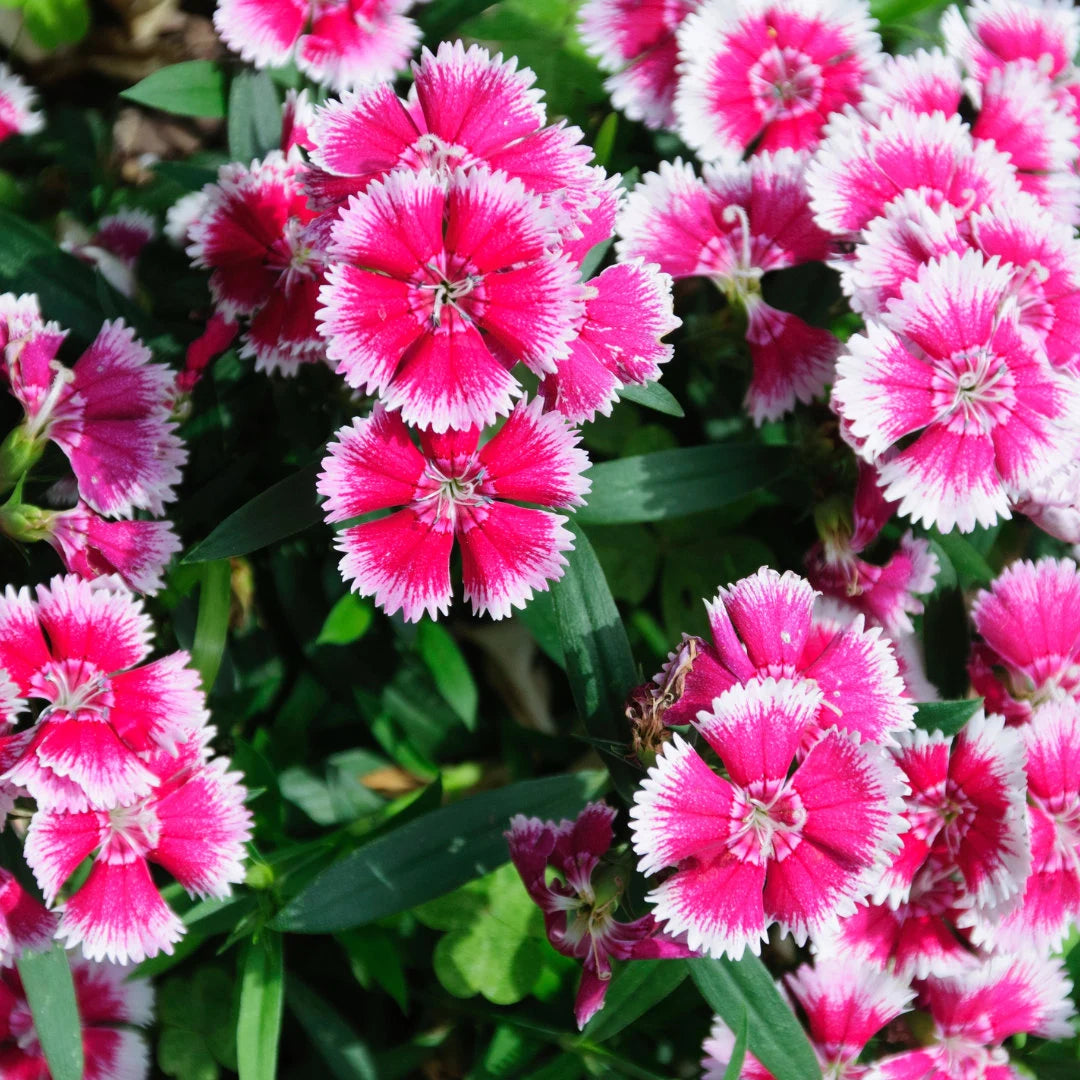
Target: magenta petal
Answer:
[[57, 842], [158, 705], [23, 651], [590, 995], [772, 613]]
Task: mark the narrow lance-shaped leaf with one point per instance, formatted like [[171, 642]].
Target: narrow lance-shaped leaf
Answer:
[[50, 992], [652, 396], [346, 1055], [212, 624], [738, 1051], [262, 997], [744, 991], [948, 717], [449, 669], [635, 988], [193, 88], [254, 116]]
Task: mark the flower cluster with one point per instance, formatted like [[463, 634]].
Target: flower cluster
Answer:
[[110, 415]]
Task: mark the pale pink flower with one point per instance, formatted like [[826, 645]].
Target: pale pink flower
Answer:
[[845, 1004], [1054, 503], [975, 1012], [950, 372], [635, 41], [452, 488], [466, 109], [25, 925], [763, 627], [111, 1005], [740, 221], [579, 922], [138, 551], [921, 82], [114, 246], [439, 288], [1029, 622], [110, 413], [81, 648], [860, 168], [767, 74], [192, 822], [266, 260], [997, 33], [888, 594], [763, 847], [340, 43], [18, 113], [627, 313]]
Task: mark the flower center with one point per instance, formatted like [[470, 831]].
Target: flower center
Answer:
[[444, 491], [435, 153], [785, 81], [443, 290], [74, 686], [768, 817], [135, 830], [975, 387]]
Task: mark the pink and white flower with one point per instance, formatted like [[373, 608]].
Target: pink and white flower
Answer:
[[18, 113], [636, 42], [114, 246], [921, 82], [975, 1012], [81, 648], [111, 1006], [255, 235], [763, 627], [1029, 622], [340, 43], [193, 823], [739, 222], [467, 109], [618, 343], [439, 288], [1054, 503], [763, 847], [579, 905], [767, 74], [453, 488], [25, 925], [949, 371]]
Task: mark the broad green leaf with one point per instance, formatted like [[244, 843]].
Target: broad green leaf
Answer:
[[635, 988], [50, 993], [738, 1051], [539, 616], [262, 997], [429, 855], [52, 23], [289, 507], [744, 991], [346, 1055], [254, 116], [948, 717], [192, 88], [448, 668], [440, 18], [348, 621], [652, 396], [965, 559], [212, 624], [673, 483]]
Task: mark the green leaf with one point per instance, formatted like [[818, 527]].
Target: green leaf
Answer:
[[441, 17], [965, 559], [254, 116], [738, 1051], [429, 855], [348, 621], [212, 624], [50, 993], [289, 507], [193, 88], [539, 616], [375, 956], [635, 988], [337, 796], [673, 483], [948, 717], [448, 668], [595, 256], [345, 1053], [262, 997], [744, 991], [652, 396], [52, 23]]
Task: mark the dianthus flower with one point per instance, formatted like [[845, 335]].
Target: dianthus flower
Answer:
[[579, 906], [25, 925], [1054, 503], [1029, 622], [438, 288], [111, 1006], [109, 413], [860, 168], [466, 109], [18, 115], [949, 371], [765, 845], [763, 627], [925, 81], [739, 222], [254, 234], [636, 42], [193, 822], [113, 246], [340, 43], [845, 1003], [886, 595], [80, 648], [767, 74], [975, 1012], [453, 488]]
